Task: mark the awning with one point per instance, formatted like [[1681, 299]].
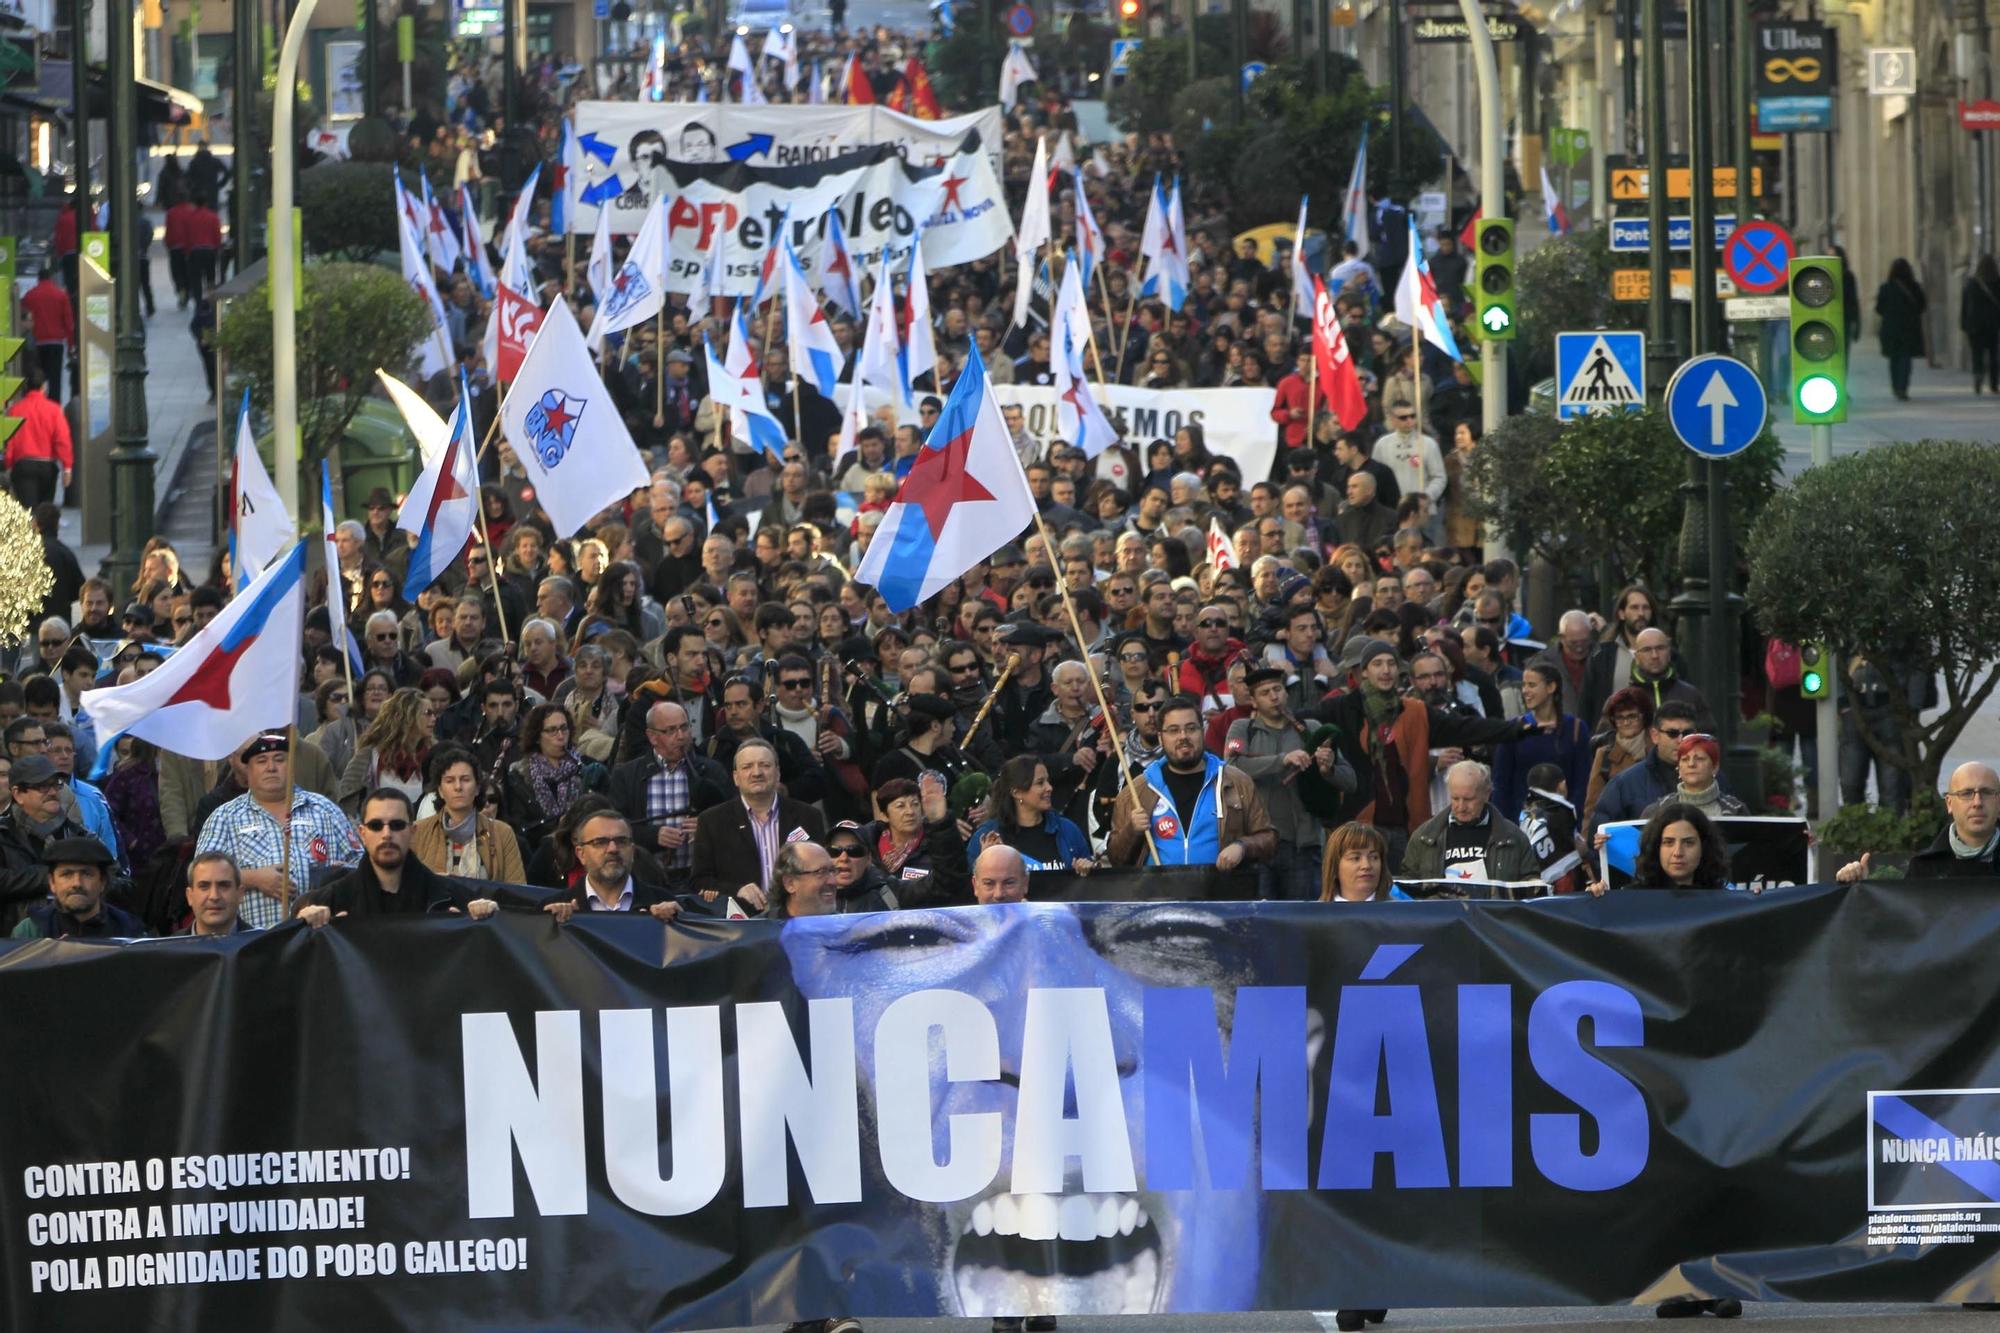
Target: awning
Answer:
[[159, 103]]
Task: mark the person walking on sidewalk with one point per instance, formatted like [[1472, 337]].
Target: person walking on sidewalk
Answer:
[[1979, 319], [40, 451], [52, 327], [1899, 304]]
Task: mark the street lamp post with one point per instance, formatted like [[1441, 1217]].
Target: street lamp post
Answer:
[[79, 72], [284, 289], [131, 461], [243, 117], [1492, 200]]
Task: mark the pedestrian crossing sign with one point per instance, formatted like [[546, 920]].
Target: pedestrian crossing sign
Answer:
[[1599, 372]]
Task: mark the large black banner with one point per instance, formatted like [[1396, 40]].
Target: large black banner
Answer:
[[1047, 1107]]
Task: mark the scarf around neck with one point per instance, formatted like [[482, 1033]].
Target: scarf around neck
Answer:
[[556, 782]]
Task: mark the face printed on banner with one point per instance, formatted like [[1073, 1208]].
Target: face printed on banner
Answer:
[[1088, 1242]]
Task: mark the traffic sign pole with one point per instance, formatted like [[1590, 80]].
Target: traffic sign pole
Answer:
[[1826, 711], [1492, 202]]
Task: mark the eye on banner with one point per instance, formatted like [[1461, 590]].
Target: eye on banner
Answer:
[[981, 1111]]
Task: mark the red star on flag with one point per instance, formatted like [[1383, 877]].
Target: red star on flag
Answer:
[[938, 480], [210, 682], [557, 418], [952, 185]]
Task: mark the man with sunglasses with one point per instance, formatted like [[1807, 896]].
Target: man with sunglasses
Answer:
[[389, 881], [382, 647], [35, 819], [1628, 795]]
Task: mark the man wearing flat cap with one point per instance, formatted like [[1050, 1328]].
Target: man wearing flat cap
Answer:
[[79, 876], [254, 828], [1028, 693]]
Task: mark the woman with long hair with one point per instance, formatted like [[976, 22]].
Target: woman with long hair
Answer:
[[372, 692], [1900, 306], [550, 775], [725, 635], [459, 838], [381, 592], [587, 695], [1680, 849], [1561, 740], [392, 751], [1024, 818], [614, 604], [1355, 866], [499, 514], [1462, 529]]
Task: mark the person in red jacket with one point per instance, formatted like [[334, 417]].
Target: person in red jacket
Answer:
[[64, 242], [51, 326], [204, 244], [1291, 407], [40, 450], [179, 218]]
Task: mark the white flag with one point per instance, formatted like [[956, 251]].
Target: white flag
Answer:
[[261, 529], [1034, 232], [881, 345], [1302, 286], [639, 288], [1017, 70], [566, 430], [433, 351]]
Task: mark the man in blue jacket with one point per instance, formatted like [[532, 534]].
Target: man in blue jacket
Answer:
[[1627, 795]]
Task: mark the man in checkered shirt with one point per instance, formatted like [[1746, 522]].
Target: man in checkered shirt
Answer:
[[249, 829]]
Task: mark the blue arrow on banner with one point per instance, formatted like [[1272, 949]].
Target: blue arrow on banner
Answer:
[[599, 191], [596, 147], [754, 146]]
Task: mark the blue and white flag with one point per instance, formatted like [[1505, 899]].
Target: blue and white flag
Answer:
[[442, 509], [816, 356], [260, 529], [1354, 202], [336, 587], [568, 180], [750, 418], [566, 431]]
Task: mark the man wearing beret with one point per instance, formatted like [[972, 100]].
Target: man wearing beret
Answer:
[[255, 827], [79, 875]]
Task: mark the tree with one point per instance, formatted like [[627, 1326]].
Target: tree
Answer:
[[1892, 556], [1605, 488], [352, 318], [348, 210], [1565, 285]]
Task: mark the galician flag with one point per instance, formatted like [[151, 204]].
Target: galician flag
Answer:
[[1417, 303], [1078, 417], [1033, 233], [433, 351], [964, 498], [1552, 205], [1354, 201], [834, 273], [259, 529], [816, 356], [442, 509], [221, 688], [1302, 298], [917, 354], [750, 418], [336, 587], [640, 286], [1221, 550], [478, 266]]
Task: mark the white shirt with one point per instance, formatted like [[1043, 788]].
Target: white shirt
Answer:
[[593, 903], [1416, 461]]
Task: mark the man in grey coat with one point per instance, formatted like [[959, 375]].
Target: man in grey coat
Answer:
[[1471, 840]]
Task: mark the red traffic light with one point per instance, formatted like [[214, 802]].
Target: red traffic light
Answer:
[[1128, 9]]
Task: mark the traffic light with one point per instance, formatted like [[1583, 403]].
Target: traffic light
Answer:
[[1819, 341], [1493, 278], [1815, 672], [1128, 16]]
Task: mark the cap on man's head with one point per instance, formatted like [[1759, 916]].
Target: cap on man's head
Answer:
[[932, 706], [139, 613], [1262, 676], [34, 770], [679, 356], [379, 498], [269, 742], [1027, 634], [1008, 555], [77, 852]]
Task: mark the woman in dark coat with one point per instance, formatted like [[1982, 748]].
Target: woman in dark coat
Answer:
[[1899, 304], [1979, 319]]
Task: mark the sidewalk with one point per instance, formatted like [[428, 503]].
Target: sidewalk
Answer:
[[177, 410]]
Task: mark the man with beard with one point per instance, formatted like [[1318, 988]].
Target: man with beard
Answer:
[[96, 602], [1028, 693], [1064, 737], [389, 881], [1158, 627], [1430, 684], [497, 742], [603, 844], [1653, 671], [1200, 810], [79, 874], [688, 682], [1269, 746], [926, 746]]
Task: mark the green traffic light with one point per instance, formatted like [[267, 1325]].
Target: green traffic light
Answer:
[[1811, 682], [1818, 394], [1497, 319]]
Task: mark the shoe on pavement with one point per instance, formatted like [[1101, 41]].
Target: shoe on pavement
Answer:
[[1979, 1305], [1041, 1323], [1008, 1323], [844, 1324], [1349, 1321], [1679, 1307]]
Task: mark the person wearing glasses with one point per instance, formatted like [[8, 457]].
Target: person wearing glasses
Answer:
[[1698, 768], [459, 839], [661, 792], [389, 881], [1414, 457], [550, 775], [1638, 787], [382, 645], [1967, 846]]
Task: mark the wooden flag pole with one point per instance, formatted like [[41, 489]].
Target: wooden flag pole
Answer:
[[1110, 717], [285, 832], [492, 562]]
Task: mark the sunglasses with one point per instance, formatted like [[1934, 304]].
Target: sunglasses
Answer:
[[1677, 735], [1131, 657], [795, 684], [846, 851], [1145, 708], [1212, 624], [385, 825]]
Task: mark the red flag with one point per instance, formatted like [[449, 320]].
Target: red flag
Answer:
[[1339, 386], [923, 99], [1467, 238], [519, 319], [1221, 550], [860, 92]]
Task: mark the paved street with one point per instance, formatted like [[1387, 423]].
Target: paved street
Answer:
[[1819, 1318]]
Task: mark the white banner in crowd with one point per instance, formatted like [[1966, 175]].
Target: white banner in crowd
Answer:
[[633, 141], [882, 202], [1236, 422]]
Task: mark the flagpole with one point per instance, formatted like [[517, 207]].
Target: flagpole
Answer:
[[660, 365], [1104, 295], [1110, 718], [1312, 396], [569, 262], [492, 560], [1417, 376], [285, 833]]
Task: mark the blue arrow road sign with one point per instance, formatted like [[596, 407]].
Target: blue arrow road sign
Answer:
[[1631, 234], [1252, 71], [1600, 372], [1716, 405]]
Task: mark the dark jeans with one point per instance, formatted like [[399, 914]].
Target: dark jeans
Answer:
[[51, 357], [177, 267], [34, 480], [1893, 786], [201, 271], [1291, 875], [1985, 359], [1899, 374]]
